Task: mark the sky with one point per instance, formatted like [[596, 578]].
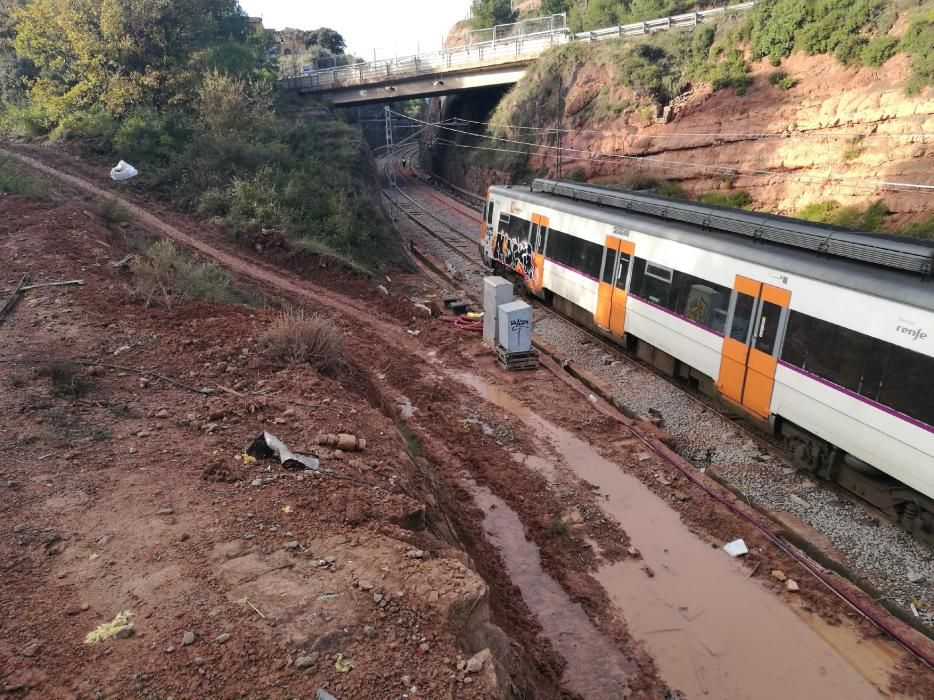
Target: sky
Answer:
[[386, 25]]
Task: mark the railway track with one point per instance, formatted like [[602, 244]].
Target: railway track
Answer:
[[763, 442]]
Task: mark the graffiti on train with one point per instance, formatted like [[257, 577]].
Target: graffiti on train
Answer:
[[516, 255]]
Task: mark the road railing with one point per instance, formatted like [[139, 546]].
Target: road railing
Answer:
[[517, 42]]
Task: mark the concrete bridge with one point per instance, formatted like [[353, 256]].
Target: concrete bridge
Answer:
[[477, 59]]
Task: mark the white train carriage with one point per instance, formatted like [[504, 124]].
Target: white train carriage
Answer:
[[825, 336]]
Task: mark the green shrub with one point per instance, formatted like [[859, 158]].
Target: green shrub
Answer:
[[113, 212], [920, 229], [165, 275], [577, 175], [65, 379], [879, 50], [667, 188], [918, 42], [146, 136], [14, 181], [871, 218], [782, 80], [736, 199]]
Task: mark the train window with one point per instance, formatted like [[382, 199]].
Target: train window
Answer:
[[795, 348], [623, 272], [489, 212], [533, 237], [767, 331], [542, 238], [609, 266], [504, 223], [836, 354], [638, 278], [656, 286], [742, 317], [570, 251], [519, 229], [874, 369], [908, 384], [703, 302]]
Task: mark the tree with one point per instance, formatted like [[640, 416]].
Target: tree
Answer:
[[555, 7], [488, 13], [116, 55], [326, 38]]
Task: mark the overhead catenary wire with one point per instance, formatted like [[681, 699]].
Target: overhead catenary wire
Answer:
[[721, 169], [814, 133], [650, 163]]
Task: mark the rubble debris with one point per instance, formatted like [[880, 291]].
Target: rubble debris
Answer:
[[342, 441], [342, 665], [268, 445], [780, 575], [792, 586], [736, 548], [123, 171], [322, 694], [109, 630]]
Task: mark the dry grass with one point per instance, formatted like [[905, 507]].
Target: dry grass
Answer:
[[296, 337]]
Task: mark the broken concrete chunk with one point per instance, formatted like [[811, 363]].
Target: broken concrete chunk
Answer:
[[268, 445], [736, 548]]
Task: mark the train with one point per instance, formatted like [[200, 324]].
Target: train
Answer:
[[820, 335]]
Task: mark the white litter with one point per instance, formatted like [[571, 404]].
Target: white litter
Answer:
[[123, 171], [736, 548]]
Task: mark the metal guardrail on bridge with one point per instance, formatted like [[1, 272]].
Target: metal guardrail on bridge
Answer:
[[511, 43]]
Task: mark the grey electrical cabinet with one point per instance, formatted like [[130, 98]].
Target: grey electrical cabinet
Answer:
[[515, 327]]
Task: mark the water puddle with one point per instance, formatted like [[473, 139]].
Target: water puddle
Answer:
[[595, 666], [711, 630]]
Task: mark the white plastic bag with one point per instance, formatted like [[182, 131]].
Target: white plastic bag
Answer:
[[736, 548], [123, 171]]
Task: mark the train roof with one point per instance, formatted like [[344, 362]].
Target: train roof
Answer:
[[895, 283], [911, 255]]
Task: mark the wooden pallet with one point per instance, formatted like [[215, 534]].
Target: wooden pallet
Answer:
[[515, 361]]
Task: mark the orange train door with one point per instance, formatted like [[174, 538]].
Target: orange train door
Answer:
[[536, 276], [755, 328], [614, 281]]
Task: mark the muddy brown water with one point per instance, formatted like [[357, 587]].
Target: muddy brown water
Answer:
[[596, 668], [712, 630]]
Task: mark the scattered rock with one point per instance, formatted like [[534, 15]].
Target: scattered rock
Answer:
[[199, 661], [105, 540], [165, 511], [162, 413], [124, 632], [169, 649], [369, 632], [31, 650], [915, 577], [791, 586], [222, 639], [415, 554], [188, 638], [19, 528], [292, 545], [644, 456], [256, 482], [306, 661], [474, 665], [780, 575], [365, 585], [406, 681]]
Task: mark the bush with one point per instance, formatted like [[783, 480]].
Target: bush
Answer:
[[14, 181], [737, 199], [295, 337], [147, 136], [170, 277], [920, 229], [114, 213], [577, 175], [918, 42], [871, 218], [782, 80], [879, 50], [64, 378]]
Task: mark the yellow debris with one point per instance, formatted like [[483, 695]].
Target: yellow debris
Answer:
[[247, 459], [343, 665], [93, 556], [287, 510], [107, 630]]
